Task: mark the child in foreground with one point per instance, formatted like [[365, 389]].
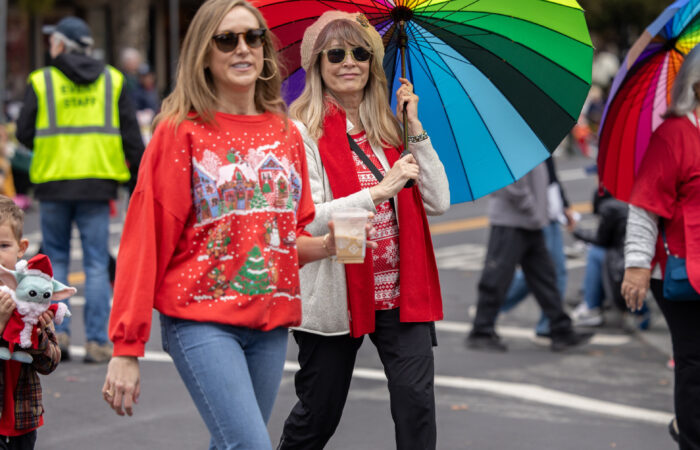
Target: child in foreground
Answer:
[[21, 409]]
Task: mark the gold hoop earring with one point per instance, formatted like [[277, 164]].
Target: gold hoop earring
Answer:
[[274, 72]]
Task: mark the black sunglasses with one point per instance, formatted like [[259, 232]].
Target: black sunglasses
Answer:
[[228, 41], [337, 55]]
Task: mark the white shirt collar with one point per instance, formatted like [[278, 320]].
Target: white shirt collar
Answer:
[[348, 125]]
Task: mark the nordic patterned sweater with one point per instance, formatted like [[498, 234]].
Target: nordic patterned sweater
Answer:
[[211, 227]]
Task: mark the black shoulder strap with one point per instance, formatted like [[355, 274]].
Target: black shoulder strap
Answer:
[[368, 162], [365, 159]]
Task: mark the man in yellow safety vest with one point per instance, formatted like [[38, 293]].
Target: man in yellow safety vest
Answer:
[[81, 127]]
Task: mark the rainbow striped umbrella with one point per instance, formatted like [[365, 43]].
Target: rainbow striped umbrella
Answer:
[[501, 82], [641, 93]]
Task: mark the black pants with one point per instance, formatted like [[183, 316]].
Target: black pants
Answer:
[[323, 381], [508, 247], [23, 442], [683, 320]]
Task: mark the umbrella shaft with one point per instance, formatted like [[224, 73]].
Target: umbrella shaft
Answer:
[[403, 38]]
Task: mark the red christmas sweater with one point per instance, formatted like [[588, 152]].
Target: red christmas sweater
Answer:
[[210, 233]]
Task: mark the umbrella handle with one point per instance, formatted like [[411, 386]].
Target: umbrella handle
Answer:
[[402, 46], [405, 152]]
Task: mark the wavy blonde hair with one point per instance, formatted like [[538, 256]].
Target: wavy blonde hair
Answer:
[[379, 121], [194, 87]]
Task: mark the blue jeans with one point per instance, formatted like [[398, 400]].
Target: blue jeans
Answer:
[[518, 290], [593, 292], [92, 219], [232, 374]]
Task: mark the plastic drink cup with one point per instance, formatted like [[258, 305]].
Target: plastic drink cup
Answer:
[[350, 232]]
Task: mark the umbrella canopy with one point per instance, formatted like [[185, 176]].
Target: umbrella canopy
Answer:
[[641, 94], [501, 82]]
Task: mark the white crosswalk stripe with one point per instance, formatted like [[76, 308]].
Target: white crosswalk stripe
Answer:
[[470, 257], [522, 391], [606, 340]]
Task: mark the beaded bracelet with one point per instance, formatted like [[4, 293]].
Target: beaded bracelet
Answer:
[[418, 138]]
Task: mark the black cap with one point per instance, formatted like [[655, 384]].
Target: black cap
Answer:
[[73, 28]]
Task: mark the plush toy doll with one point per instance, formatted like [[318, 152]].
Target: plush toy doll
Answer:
[[32, 287]]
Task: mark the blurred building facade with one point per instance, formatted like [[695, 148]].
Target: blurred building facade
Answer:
[[154, 27]]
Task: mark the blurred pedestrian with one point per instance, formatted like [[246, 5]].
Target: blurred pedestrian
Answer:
[[7, 184], [130, 60], [83, 132], [147, 101], [353, 144], [147, 97], [558, 211], [664, 221], [517, 214], [605, 264], [208, 241]]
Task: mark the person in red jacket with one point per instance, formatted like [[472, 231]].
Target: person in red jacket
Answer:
[[664, 220], [214, 233]]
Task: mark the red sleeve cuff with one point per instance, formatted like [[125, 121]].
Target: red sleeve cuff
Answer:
[[134, 348]]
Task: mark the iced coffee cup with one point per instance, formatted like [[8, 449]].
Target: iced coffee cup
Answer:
[[350, 235]]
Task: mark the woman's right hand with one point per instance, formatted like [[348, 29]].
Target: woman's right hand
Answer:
[[406, 168], [122, 384], [635, 285]]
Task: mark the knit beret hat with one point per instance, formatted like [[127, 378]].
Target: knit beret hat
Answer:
[[312, 32]]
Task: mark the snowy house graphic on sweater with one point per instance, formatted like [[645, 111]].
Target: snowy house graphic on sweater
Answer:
[[273, 181], [206, 194], [242, 184], [236, 184], [295, 186]]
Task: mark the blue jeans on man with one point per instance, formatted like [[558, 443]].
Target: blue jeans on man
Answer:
[[593, 292], [519, 289], [92, 220]]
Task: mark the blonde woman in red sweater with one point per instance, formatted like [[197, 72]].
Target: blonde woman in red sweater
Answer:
[[214, 235]]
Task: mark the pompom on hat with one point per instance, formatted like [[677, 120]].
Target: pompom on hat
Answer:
[[39, 265], [311, 34]]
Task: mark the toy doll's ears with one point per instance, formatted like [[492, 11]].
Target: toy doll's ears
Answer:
[[7, 277], [61, 291]]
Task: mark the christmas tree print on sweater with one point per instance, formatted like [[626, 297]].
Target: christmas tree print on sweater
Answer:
[[254, 277]]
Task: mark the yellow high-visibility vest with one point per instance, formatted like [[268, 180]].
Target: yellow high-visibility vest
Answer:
[[77, 128]]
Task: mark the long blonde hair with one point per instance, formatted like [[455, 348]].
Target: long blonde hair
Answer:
[[194, 88], [379, 122]]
